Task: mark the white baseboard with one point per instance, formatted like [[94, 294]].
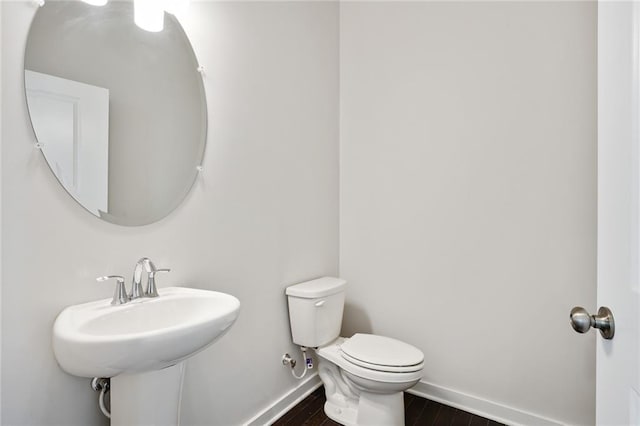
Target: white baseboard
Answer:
[[469, 403], [479, 406], [281, 406]]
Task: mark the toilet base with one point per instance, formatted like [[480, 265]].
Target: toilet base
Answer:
[[368, 399], [373, 410], [344, 415]]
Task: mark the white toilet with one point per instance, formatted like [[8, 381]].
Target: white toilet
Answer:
[[365, 375]]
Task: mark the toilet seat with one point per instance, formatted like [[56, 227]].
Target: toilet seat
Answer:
[[383, 368], [332, 352], [382, 353]]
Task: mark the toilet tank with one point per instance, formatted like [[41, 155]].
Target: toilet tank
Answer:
[[315, 311]]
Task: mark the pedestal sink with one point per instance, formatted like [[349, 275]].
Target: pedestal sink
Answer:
[[141, 346]]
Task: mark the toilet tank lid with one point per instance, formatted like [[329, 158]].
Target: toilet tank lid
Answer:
[[319, 287]]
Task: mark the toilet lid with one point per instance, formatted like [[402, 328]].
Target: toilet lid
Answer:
[[382, 353]]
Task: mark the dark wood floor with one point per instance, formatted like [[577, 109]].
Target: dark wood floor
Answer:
[[417, 412]]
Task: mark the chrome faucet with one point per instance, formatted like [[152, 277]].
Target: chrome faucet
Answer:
[[136, 285], [120, 295]]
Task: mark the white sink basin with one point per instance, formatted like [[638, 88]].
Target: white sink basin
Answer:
[[97, 339]]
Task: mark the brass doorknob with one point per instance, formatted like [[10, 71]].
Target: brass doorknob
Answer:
[[581, 321]]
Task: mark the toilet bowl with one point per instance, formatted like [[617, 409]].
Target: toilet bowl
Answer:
[[361, 392], [365, 375]]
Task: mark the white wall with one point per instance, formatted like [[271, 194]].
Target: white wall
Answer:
[[468, 192], [264, 214]]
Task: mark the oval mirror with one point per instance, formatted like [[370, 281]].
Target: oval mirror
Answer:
[[119, 112]]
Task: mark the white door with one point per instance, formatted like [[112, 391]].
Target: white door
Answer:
[[617, 377], [71, 122]]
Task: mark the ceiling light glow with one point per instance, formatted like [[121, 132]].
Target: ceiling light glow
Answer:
[[149, 15], [176, 7]]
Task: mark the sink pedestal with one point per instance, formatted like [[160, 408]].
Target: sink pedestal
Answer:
[[151, 398]]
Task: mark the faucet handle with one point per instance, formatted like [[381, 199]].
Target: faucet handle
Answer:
[[120, 294], [152, 291]]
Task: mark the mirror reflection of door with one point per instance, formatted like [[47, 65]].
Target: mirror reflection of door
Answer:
[[72, 127]]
